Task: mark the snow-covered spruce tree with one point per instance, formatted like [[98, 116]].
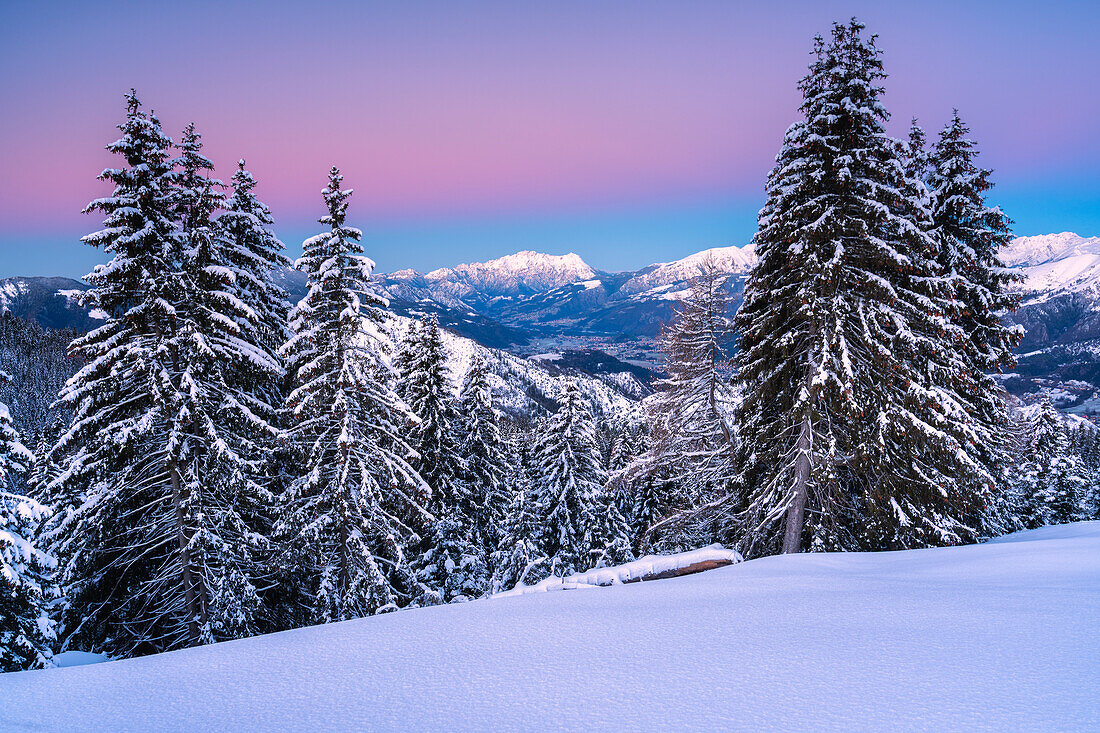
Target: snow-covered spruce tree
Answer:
[[1051, 479], [518, 558], [155, 490], [119, 537], [256, 254], [610, 538], [46, 466], [484, 499], [968, 236], [224, 426], [26, 583], [451, 564], [1010, 507], [849, 438], [461, 452], [1088, 451], [358, 503], [424, 386], [627, 443], [642, 494], [568, 479]]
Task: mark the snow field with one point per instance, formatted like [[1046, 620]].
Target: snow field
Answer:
[[1001, 636]]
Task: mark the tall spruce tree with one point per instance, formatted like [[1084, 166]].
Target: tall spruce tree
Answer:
[[569, 480], [425, 387], [256, 254], [155, 536], [849, 439], [345, 523], [224, 427], [122, 542], [518, 558], [484, 497], [968, 235], [26, 585]]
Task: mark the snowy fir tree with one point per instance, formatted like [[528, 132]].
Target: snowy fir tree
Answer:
[[1009, 510], [609, 538], [484, 497], [627, 443], [256, 254], [568, 479], [1085, 445], [968, 235], [26, 585], [518, 559], [46, 466], [155, 480], [1051, 479], [425, 387], [345, 523], [229, 421], [121, 477], [470, 523], [452, 565], [850, 436]]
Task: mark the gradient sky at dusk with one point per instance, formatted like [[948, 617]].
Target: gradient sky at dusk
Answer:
[[628, 132]]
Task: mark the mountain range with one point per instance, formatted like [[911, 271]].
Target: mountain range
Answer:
[[557, 308]]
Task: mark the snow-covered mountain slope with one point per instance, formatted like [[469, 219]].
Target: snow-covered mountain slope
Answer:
[[1055, 264], [522, 272], [1001, 636], [52, 301], [530, 387], [732, 260], [552, 296], [1044, 248]]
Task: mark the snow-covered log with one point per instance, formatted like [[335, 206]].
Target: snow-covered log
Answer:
[[650, 567]]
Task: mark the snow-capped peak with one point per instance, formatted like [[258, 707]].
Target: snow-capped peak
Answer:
[[731, 260], [530, 271], [1044, 248], [1055, 263]]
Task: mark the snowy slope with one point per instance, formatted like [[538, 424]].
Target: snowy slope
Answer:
[[1003, 636], [521, 386], [1056, 264], [1044, 248]]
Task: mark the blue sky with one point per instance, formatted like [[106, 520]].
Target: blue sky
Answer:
[[627, 132]]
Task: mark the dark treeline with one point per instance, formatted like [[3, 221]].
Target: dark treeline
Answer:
[[213, 463]]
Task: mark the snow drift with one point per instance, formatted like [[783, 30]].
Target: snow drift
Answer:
[[999, 636]]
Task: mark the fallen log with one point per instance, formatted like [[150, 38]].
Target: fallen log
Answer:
[[650, 567]]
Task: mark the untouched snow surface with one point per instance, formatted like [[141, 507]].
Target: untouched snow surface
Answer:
[[1002, 636]]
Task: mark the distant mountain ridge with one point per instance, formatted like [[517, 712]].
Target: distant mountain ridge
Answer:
[[54, 302], [532, 302]]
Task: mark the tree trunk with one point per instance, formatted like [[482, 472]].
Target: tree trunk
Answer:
[[796, 513], [186, 581]]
